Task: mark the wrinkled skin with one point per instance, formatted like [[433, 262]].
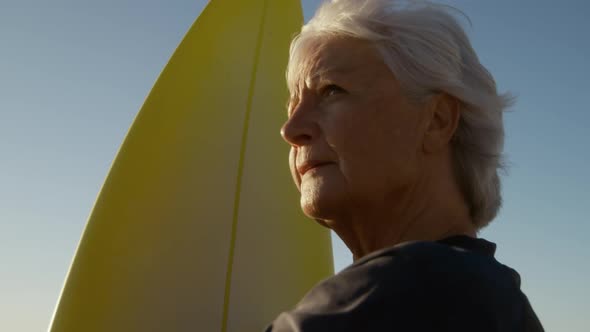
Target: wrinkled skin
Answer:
[[388, 159]]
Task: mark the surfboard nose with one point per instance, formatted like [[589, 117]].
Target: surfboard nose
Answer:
[[197, 226]]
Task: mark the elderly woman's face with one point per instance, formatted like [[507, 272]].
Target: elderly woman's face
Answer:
[[355, 139]]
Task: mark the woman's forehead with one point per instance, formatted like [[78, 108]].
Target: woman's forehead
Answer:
[[340, 54], [334, 56]]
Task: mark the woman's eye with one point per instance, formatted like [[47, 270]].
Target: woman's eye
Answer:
[[330, 90]]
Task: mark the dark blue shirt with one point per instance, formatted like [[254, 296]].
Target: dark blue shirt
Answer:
[[454, 284]]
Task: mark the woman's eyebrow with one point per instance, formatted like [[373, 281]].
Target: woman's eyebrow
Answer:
[[327, 75], [335, 69]]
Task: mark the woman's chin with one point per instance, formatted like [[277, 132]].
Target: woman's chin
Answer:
[[320, 207]]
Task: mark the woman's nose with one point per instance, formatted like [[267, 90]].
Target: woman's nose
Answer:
[[300, 129]]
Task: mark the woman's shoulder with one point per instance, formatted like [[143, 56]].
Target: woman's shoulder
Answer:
[[418, 286], [422, 273], [456, 261]]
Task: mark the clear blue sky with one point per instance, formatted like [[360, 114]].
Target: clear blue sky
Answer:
[[73, 75]]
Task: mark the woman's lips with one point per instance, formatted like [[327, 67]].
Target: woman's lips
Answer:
[[306, 167]]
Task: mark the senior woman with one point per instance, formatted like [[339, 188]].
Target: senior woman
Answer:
[[396, 138]]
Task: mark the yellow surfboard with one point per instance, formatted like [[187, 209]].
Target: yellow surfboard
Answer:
[[198, 225]]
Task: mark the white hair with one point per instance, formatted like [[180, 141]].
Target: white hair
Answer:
[[429, 53]]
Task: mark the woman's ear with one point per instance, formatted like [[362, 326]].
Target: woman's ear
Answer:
[[444, 113]]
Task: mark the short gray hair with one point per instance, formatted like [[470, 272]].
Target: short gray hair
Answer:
[[429, 53]]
